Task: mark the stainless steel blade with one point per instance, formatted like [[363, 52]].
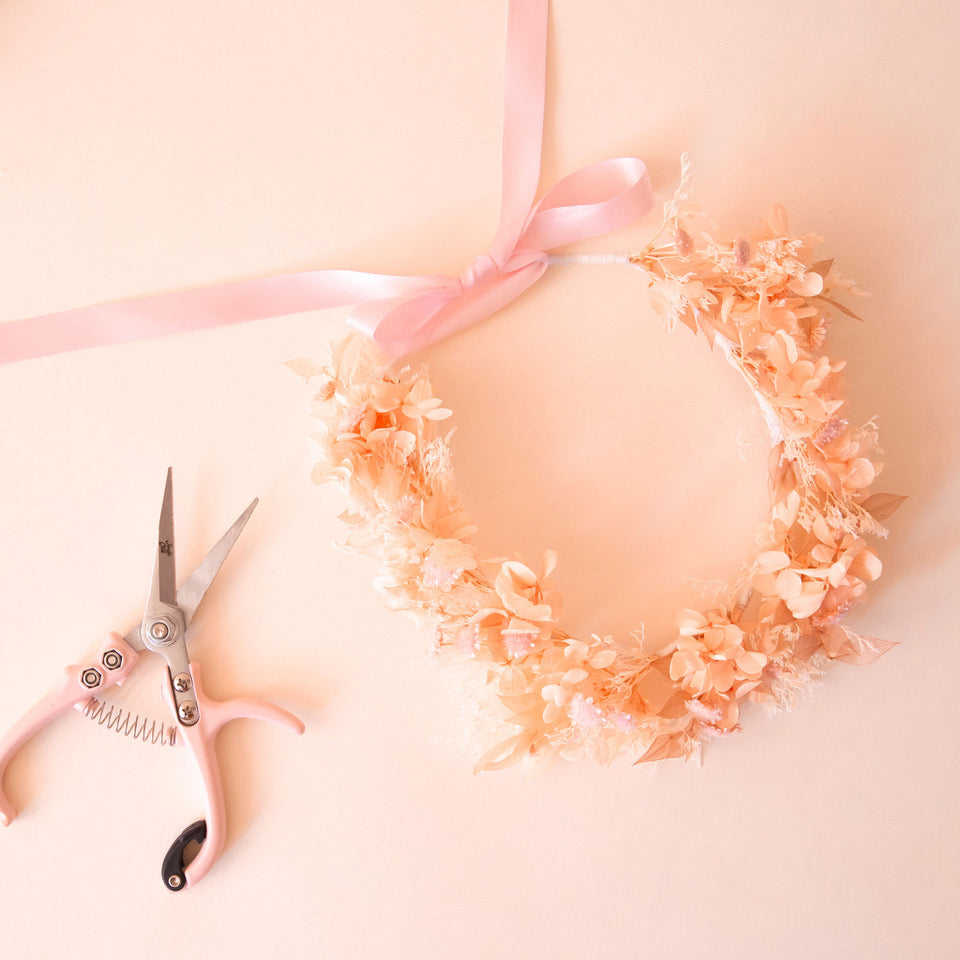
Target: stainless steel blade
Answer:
[[193, 589], [165, 569]]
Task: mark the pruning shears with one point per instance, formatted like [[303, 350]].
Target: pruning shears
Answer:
[[197, 718]]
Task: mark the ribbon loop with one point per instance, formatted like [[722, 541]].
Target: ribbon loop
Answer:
[[597, 199], [483, 269]]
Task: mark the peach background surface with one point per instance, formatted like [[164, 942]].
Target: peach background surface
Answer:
[[148, 146]]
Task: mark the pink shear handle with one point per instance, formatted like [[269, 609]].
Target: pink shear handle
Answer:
[[201, 738], [113, 661]]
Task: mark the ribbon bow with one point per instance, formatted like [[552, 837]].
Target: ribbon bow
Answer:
[[401, 313], [449, 304]]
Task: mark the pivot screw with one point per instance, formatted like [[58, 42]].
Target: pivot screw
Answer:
[[91, 678], [112, 659], [187, 711], [159, 630], [181, 682]]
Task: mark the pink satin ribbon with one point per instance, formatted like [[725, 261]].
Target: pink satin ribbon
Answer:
[[402, 313]]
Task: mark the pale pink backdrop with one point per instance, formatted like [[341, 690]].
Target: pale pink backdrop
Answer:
[[148, 146]]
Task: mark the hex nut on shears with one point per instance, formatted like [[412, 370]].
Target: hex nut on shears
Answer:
[[91, 678], [112, 659]]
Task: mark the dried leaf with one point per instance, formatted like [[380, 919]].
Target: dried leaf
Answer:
[[674, 708], [513, 682], [833, 640], [778, 467], [822, 267], [654, 689], [807, 645], [688, 319], [523, 704], [779, 222], [709, 330], [664, 747], [882, 505], [304, 367], [861, 650], [504, 754], [839, 306]]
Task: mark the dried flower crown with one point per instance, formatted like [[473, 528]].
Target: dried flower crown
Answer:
[[766, 303]]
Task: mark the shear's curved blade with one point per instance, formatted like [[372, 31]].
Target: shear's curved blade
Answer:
[[193, 589], [165, 568]]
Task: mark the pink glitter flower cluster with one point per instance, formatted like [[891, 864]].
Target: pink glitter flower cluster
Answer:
[[767, 302]]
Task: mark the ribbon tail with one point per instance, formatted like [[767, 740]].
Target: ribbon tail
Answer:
[[142, 318], [525, 81]]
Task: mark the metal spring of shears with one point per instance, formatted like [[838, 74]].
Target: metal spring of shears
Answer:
[[128, 723]]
